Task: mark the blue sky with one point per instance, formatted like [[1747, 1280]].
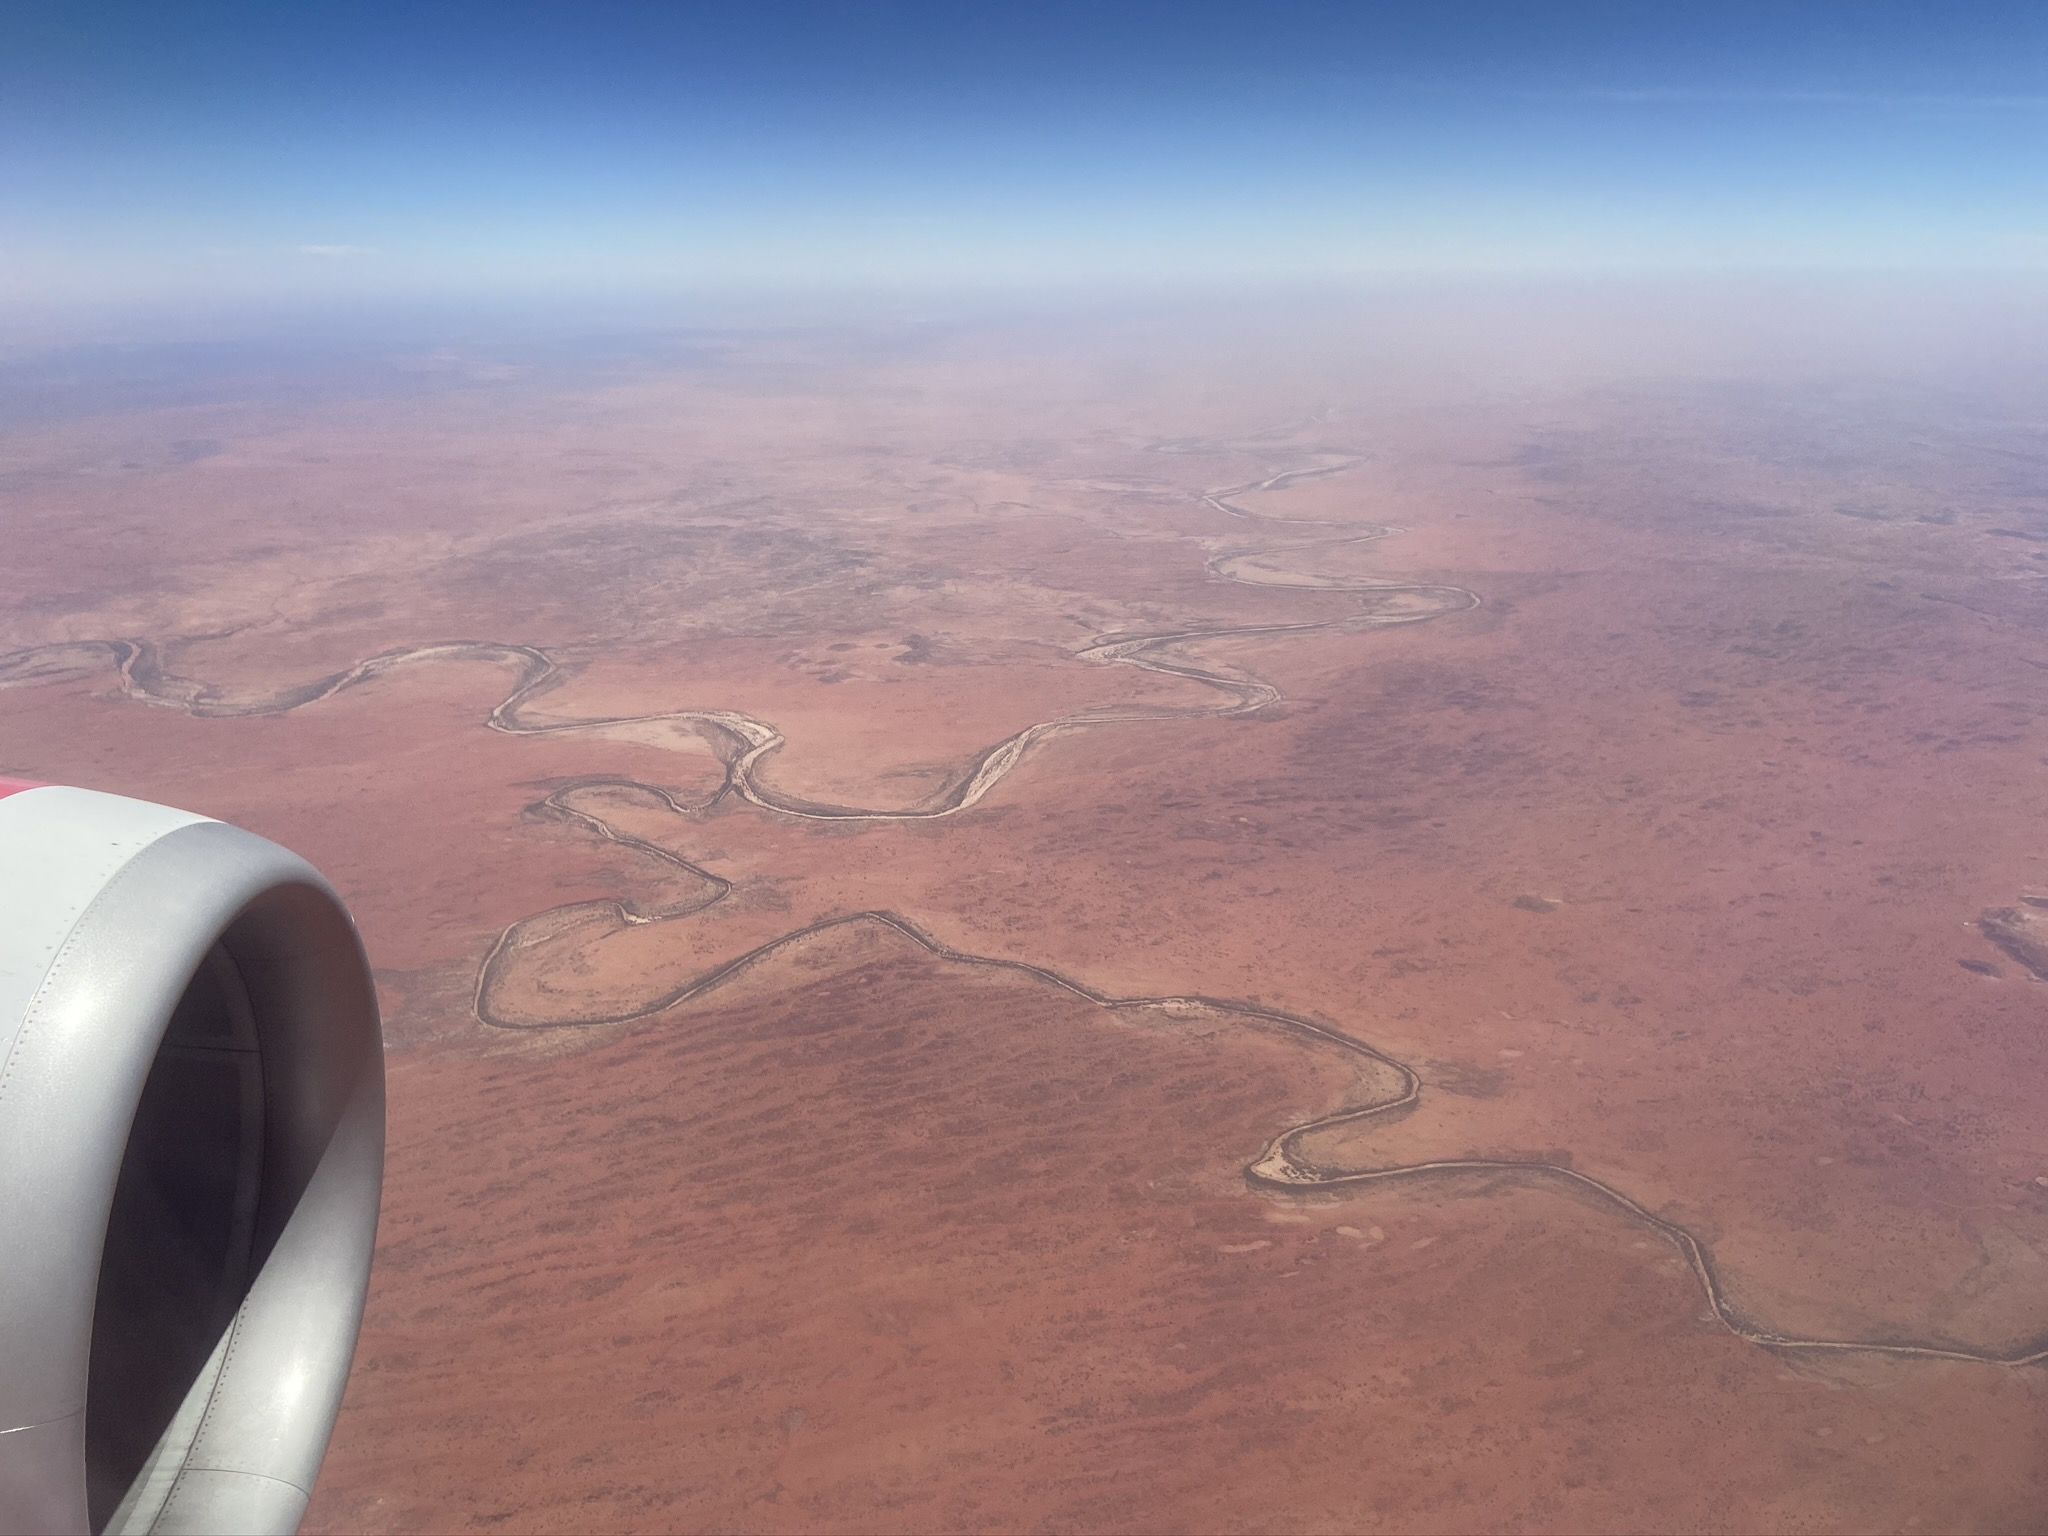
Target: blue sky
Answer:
[[218, 153]]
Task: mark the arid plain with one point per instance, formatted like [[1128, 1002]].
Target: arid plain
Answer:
[[1123, 927]]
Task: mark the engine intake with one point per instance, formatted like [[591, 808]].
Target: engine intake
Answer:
[[191, 1155]]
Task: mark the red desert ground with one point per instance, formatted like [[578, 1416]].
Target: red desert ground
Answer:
[[1135, 927]]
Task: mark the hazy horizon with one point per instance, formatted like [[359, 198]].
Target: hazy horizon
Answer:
[[236, 160]]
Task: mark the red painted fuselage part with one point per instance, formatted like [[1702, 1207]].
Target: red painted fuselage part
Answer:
[[16, 786]]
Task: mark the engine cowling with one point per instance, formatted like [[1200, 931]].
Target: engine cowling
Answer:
[[191, 1156]]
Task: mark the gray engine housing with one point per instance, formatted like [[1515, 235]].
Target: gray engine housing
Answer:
[[191, 1158]]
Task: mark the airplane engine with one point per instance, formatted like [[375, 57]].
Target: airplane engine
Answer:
[[191, 1154]]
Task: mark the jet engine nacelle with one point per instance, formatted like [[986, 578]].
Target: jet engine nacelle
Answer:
[[191, 1153]]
